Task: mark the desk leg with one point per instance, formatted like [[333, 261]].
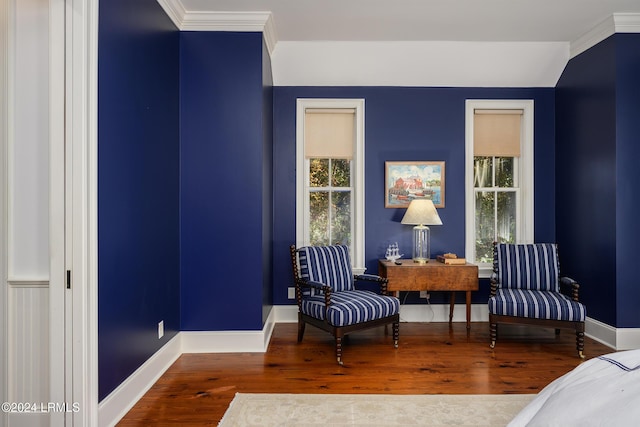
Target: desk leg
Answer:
[[452, 303], [468, 309]]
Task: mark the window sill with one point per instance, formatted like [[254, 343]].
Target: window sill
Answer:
[[359, 270], [484, 271]]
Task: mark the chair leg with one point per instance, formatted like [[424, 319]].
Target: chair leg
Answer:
[[580, 343], [396, 333], [494, 333], [339, 349], [301, 326]]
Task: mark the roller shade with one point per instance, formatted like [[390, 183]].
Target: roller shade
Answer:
[[497, 133], [329, 133]]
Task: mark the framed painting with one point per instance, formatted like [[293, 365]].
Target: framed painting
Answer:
[[405, 181]]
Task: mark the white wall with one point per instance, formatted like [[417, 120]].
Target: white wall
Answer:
[[450, 64], [28, 199], [26, 215]]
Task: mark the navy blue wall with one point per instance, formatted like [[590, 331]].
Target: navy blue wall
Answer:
[[407, 124], [223, 155], [138, 140], [627, 178], [597, 176], [586, 161], [267, 184]]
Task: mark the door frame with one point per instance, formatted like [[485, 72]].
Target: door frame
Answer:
[[73, 210], [4, 138]]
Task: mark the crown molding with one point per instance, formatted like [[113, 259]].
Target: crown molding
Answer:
[[627, 22], [592, 37], [187, 20], [269, 34], [224, 21], [232, 21], [174, 10], [616, 23]]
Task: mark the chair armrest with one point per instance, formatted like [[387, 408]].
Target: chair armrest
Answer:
[[310, 284], [370, 277], [373, 278], [313, 286], [570, 288]]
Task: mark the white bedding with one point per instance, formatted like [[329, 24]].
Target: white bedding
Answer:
[[603, 391]]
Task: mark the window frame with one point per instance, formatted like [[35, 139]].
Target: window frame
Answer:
[[525, 199], [358, 182]]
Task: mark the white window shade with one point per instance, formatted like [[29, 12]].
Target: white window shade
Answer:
[[329, 133], [497, 133]]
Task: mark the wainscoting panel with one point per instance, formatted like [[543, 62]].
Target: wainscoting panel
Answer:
[[28, 338]]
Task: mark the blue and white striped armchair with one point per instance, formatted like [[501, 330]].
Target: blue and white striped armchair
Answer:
[[328, 299], [526, 287]]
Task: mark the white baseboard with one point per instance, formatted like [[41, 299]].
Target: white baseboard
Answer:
[[113, 407], [229, 341], [616, 338], [440, 313], [285, 313], [600, 332], [627, 338], [408, 313], [222, 341]]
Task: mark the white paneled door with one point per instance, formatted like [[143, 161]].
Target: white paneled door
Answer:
[[73, 212]]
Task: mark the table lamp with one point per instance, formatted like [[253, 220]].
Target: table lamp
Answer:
[[421, 213]]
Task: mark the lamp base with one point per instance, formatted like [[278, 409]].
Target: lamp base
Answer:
[[421, 244]]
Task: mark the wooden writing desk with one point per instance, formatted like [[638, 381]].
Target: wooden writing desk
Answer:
[[432, 276]]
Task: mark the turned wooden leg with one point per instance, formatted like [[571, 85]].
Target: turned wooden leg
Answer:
[[396, 333], [452, 304], [301, 326], [580, 344], [339, 349], [494, 334]]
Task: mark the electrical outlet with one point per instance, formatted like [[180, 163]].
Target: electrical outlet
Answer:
[[160, 329], [292, 293], [424, 294]]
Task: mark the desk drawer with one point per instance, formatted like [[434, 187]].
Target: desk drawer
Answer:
[[402, 279]]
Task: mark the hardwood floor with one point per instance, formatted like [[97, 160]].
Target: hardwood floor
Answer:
[[432, 358]]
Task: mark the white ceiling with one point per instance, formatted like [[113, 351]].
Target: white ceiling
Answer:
[[457, 43], [426, 20]]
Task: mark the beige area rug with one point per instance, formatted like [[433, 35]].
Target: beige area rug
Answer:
[[338, 410]]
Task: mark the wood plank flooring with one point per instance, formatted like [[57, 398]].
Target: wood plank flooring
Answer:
[[432, 358]]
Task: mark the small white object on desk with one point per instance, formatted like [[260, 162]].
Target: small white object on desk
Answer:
[[393, 253]]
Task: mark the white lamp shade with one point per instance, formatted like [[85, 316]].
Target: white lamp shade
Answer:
[[421, 212]]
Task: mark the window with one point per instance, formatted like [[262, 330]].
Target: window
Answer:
[[330, 175], [499, 177]]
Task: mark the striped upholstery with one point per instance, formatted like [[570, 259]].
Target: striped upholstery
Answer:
[[351, 307], [536, 304], [329, 265], [531, 266], [528, 284]]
